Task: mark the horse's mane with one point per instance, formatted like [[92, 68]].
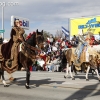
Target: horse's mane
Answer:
[[30, 35], [30, 39]]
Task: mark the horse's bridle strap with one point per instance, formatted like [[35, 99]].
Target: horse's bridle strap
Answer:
[[31, 47]]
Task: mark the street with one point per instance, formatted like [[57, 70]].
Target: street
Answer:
[[51, 86]]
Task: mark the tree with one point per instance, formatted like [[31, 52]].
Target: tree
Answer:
[[59, 34], [46, 35]]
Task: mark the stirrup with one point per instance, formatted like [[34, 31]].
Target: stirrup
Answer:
[[8, 59], [77, 61], [11, 59]]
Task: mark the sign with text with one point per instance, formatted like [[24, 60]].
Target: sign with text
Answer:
[[24, 23], [2, 31], [85, 23]]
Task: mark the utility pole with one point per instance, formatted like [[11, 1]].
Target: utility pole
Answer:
[[3, 22], [3, 5]]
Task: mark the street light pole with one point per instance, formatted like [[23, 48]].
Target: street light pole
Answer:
[[3, 18], [3, 21]]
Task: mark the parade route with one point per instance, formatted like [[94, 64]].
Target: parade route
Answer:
[[41, 42], [51, 86]]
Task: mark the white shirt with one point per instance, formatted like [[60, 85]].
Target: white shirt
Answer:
[[51, 39], [54, 48], [63, 43], [41, 62]]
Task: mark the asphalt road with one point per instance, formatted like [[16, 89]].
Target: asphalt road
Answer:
[[51, 86]]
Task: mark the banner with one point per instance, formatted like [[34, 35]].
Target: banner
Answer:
[[65, 31], [24, 23], [85, 23]]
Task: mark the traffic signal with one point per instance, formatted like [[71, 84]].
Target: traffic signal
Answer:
[[1, 41]]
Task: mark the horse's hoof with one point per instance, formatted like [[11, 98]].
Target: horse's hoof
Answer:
[[64, 76], [27, 87], [14, 79], [73, 78], [6, 85], [87, 79]]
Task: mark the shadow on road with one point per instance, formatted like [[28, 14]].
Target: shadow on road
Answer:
[[84, 92], [37, 83]]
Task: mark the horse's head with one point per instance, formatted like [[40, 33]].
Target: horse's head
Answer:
[[36, 38], [39, 39]]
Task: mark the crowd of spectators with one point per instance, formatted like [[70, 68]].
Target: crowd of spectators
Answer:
[[54, 47]]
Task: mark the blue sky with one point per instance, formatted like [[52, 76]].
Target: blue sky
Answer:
[[48, 15]]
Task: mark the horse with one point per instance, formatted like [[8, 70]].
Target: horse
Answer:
[[88, 57], [27, 55]]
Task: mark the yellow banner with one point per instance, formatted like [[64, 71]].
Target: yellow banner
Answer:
[[89, 23]]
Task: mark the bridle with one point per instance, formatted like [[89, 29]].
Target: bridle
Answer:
[[31, 47], [38, 44]]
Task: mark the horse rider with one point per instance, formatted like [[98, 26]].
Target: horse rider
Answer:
[[82, 44], [16, 39]]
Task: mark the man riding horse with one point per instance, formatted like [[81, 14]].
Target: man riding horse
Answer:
[[88, 57], [82, 44]]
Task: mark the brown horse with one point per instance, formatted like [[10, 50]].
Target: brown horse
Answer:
[[71, 60], [26, 56], [88, 57]]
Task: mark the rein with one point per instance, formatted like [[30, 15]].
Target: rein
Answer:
[[31, 47], [38, 44]]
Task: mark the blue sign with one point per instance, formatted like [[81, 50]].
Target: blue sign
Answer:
[[91, 21], [90, 24]]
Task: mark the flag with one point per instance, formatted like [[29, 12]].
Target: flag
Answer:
[[65, 31]]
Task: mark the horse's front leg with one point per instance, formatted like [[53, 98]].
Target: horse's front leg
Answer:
[[3, 79], [70, 71], [27, 78], [97, 74], [87, 72], [67, 67]]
